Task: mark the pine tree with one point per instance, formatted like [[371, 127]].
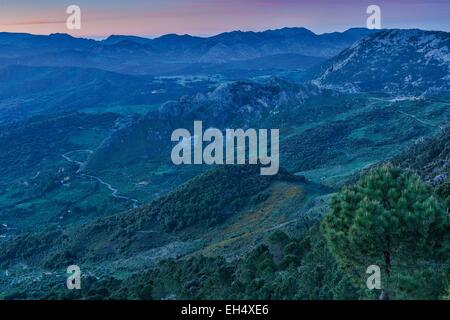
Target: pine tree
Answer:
[[389, 216]]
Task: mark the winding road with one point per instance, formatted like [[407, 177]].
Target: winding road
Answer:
[[114, 191]]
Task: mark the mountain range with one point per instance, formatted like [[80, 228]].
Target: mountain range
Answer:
[[86, 176], [172, 53]]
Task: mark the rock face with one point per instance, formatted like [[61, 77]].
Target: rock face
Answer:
[[439, 179], [242, 99], [240, 104], [395, 61]]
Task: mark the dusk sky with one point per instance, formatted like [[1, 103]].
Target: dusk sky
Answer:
[[151, 18]]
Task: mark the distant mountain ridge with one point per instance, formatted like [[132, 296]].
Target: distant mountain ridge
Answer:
[[131, 54]]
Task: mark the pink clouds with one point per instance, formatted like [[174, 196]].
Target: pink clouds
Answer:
[[102, 18]]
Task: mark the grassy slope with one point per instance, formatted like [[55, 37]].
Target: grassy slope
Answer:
[[219, 210], [38, 186]]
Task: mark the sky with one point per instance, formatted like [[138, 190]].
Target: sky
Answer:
[[151, 18]]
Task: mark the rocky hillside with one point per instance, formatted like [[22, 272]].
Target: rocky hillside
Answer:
[[394, 61], [430, 158]]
